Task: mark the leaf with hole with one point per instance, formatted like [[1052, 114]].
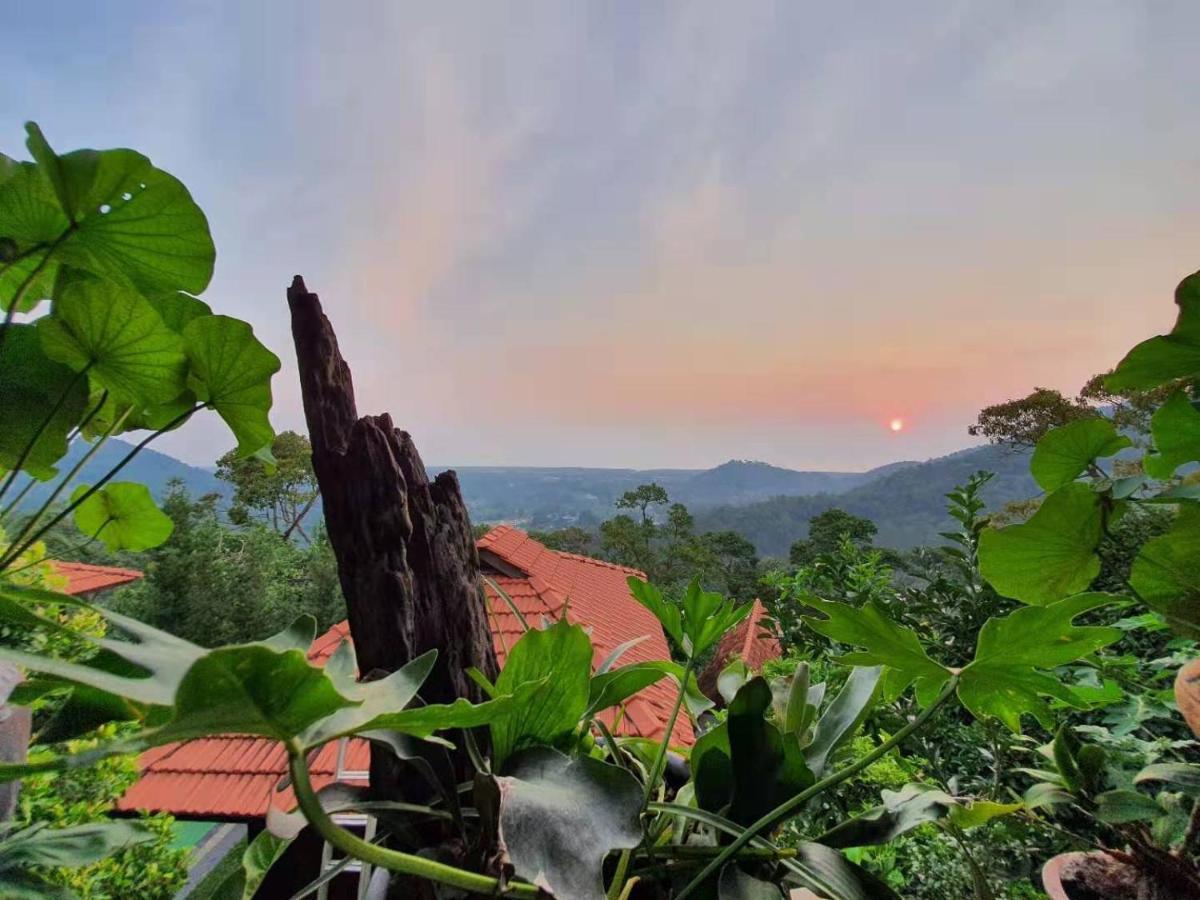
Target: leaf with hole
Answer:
[[123, 515], [1050, 556]]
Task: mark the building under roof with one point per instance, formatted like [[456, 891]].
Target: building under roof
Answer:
[[232, 777]]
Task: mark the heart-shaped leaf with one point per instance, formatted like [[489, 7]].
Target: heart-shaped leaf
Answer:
[[40, 402], [123, 515], [1064, 453], [125, 220], [1166, 572], [231, 372], [560, 817], [116, 336], [1164, 358], [1050, 556], [1176, 429], [1007, 677]]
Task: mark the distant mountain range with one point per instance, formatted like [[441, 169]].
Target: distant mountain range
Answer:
[[767, 504]]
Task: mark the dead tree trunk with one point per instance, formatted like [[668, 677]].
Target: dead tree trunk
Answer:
[[405, 553]]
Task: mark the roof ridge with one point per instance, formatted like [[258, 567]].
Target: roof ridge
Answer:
[[579, 557]]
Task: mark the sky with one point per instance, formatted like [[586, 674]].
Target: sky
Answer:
[[658, 234]]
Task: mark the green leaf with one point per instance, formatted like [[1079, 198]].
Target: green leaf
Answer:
[[1051, 555], [30, 221], [1118, 807], [123, 515], [844, 880], [883, 643], [258, 857], [35, 391], [125, 220], [1166, 573], [1184, 777], [1064, 453], [79, 845], [843, 716], [667, 613], [116, 335], [1176, 429], [902, 811], [561, 657], [707, 616], [980, 812], [767, 769], [731, 679], [1005, 678], [560, 817], [231, 372], [1164, 358], [618, 685], [176, 309]]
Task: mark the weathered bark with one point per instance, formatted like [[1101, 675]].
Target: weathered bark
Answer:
[[406, 557]]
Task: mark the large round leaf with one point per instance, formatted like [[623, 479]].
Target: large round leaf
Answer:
[[1050, 556], [1166, 572], [116, 335], [1062, 454], [31, 384], [30, 218], [127, 220], [123, 515], [1169, 356], [1176, 429], [231, 372], [560, 817]]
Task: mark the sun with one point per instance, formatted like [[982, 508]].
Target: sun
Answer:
[[896, 424]]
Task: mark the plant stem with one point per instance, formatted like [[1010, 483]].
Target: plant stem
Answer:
[[108, 476], [660, 758], [25, 285], [393, 860], [825, 783]]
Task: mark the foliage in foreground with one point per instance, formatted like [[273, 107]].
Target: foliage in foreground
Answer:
[[121, 249]]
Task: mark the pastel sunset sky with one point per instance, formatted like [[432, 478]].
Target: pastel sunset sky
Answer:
[[659, 234]]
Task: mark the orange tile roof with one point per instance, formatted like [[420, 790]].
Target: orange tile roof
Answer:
[[234, 777], [85, 578], [752, 641]]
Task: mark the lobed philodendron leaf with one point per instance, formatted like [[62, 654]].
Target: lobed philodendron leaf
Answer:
[[668, 614], [883, 643], [114, 334], [1063, 454], [123, 515], [698, 622], [1050, 556], [561, 816], [1164, 358], [558, 657], [231, 372], [1166, 572], [36, 394], [125, 220], [1008, 678], [1176, 429]]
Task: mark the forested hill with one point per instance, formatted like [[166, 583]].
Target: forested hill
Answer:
[[907, 503]]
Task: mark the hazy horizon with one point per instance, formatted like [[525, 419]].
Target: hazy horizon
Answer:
[[659, 237]]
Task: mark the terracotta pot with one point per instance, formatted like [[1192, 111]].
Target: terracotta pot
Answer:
[[1187, 694], [1052, 874]]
